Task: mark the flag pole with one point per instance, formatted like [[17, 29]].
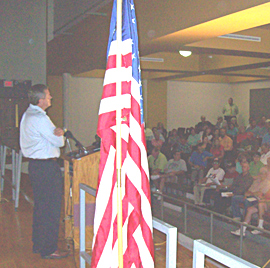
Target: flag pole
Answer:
[[118, 134]]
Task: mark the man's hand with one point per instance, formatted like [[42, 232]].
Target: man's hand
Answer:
[[58, 132]]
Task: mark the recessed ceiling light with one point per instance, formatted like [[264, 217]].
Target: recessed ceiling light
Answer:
[[185, 53]]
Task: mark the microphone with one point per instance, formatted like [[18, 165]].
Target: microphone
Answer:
[[69, 135]]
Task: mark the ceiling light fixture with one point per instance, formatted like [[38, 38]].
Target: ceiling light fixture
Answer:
[[241, 37], [152, 59], [185, 53]]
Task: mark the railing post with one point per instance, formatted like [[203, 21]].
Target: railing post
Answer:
[[211, 228], [82, 227], [185, 218]]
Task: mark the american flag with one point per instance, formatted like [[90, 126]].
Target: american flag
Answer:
[[138, 249]]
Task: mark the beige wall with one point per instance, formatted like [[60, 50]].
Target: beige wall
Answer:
[[81, 104], [242, 97], [156, 103], [55, 84], [173, 103], [23, 40], [187, 101]]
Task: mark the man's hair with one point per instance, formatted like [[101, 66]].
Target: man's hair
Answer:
[[257, 154], [36, 93], [199, 145], [175, 151]]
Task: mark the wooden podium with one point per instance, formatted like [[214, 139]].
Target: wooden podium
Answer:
[[80, 170]]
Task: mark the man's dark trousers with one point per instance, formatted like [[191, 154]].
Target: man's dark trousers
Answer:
[[46, 179]]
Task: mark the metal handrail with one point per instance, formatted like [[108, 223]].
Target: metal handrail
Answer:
[[212, 214]]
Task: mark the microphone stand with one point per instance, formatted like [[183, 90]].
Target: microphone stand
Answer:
[[82, 149]]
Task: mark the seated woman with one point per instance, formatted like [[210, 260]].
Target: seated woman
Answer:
[[241, 135], [193, 138], [217, 149], [219, 123], [232, 131], [206, 143], [208, 133], [234, 121], [162, 130], [157, 141], [261, 188], [173, 138], [215, 134]]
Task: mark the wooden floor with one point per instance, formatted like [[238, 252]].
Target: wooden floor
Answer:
[[16, 245]]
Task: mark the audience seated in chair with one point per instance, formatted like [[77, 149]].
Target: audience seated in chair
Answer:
[[241, 135], [157, 141], [183, 146], [254, 128], [227, 143], [239, 187], [250, 143], [200, 126], [162, 130], [232, 131], [255, 165], [265, 153], [234, 121], [157, 162], [174, 170], [213, 178], [206, 144], [235, 192], [254, 197], [217, 150], [222, 203], [266, 137], [219, 123], [198, 163], [173, 138], [193, 138]]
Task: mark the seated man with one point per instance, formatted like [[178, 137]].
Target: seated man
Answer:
[[213, 178], [203, 123], [157, 162], [255, 194], [254, 129], [221, 203], [183, 146], [239, 187], [227, 143], [266, 137], [265, 153], [250, 144], [255, 165], [198, 163], [175, 169], [236, 191]]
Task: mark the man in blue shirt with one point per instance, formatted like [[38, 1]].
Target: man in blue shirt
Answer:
[[198, 163], [266, 137]]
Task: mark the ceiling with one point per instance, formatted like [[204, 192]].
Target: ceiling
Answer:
[[165, 27]]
